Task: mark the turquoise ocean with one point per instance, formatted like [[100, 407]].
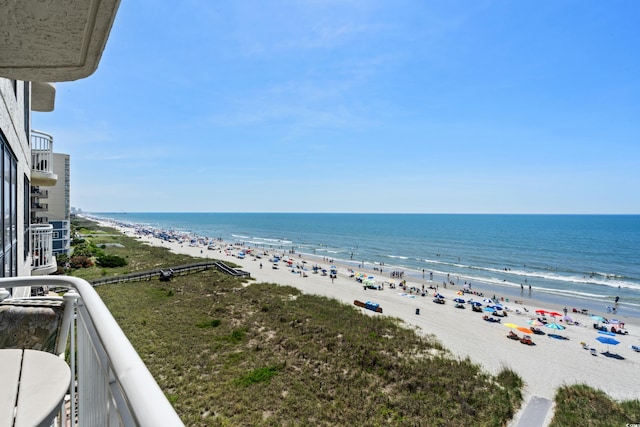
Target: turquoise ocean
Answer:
[[580, 261]]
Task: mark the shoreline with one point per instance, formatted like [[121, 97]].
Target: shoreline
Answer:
[[544, 367]]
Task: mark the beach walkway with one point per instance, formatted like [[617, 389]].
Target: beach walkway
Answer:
[[534, 414]]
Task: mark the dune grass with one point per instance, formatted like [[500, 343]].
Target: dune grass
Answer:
[[263, 354], [581, 405]]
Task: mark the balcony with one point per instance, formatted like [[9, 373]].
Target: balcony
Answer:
[[43, 96], [113, 387], [42, 260], [37, 192], [54, 41], [39, 207], [42, 159]]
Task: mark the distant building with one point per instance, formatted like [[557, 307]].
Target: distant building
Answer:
[[60, 207]]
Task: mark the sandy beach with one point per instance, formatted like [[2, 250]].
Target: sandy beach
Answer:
[[544, 367]]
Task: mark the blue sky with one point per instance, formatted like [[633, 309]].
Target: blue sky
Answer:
[[358, 106]]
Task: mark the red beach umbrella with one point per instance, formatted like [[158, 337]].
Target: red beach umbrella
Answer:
[[540, 311]]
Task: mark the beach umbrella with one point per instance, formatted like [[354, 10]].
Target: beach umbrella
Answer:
[[599, 318], [541, 311], [554, 326], [497, 307], [613, 334], [511, 325], [475, 303], [613, 321], [525, 330], [567, 318], [439, 296], [608, 341], [554, 314], [534, 322], [460, 300], [489, 309], [487, 301]]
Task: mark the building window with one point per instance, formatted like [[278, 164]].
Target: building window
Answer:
[[27, 216], [8, 198]]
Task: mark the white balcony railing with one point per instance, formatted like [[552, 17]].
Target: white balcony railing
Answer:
[[42, 159], [42, 259], [113, 387]]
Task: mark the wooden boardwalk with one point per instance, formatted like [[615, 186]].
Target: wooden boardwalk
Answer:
[[178, 270]]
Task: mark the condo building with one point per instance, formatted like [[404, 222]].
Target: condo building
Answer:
[[65, 360]]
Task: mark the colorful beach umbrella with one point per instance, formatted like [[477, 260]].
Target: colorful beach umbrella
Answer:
[[525, 330], [554, 326], [599, 318], [510, 325], [534, 322]]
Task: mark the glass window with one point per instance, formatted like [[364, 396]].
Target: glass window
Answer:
[[26, 216], [8, 200]]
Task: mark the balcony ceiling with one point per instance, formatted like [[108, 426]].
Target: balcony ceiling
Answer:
[[51, 40]]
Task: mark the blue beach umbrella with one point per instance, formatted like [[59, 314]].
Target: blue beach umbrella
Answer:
[[497, 307], [475, 303], [460, 300], [608, 340], [489, 309]]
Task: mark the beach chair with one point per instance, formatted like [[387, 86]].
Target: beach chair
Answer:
[[593, 351], [526, 340], [36, 323]]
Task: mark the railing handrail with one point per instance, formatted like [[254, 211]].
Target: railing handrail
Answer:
[[140, 388], [41, 227]]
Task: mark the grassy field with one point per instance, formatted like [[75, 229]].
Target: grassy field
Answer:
[[230, 353]]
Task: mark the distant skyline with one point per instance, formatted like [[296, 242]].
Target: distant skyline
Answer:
[[352, 106]]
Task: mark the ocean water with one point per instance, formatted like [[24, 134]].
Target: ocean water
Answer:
[[582, 261]]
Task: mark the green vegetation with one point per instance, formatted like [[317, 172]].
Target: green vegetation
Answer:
[[581, 405], [138, 256], [230, 354], [110, 261]]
